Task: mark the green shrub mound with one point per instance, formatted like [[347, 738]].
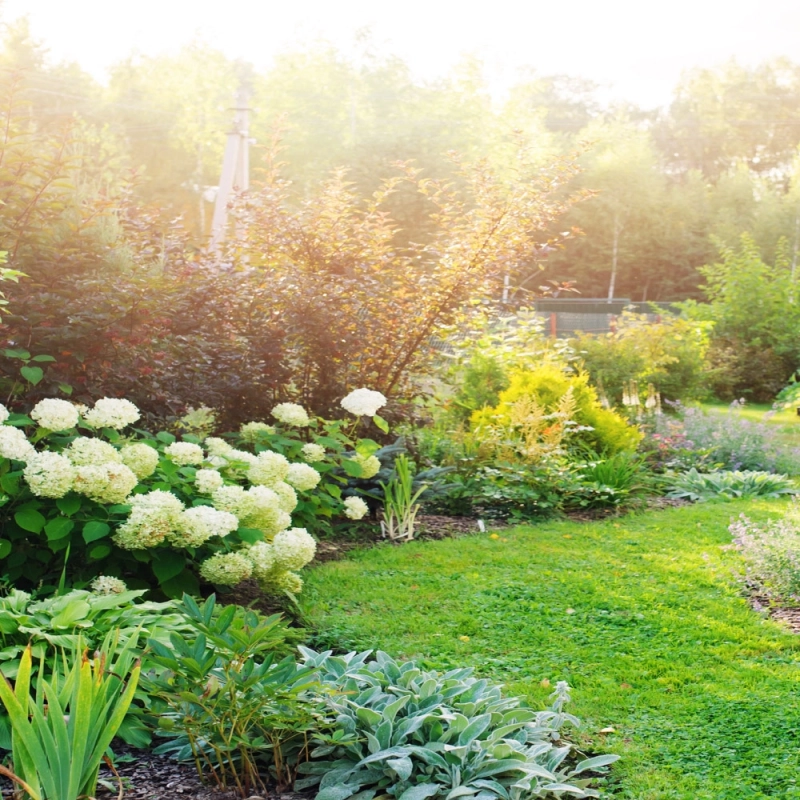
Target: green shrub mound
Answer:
[[601, 430], [413, 734]]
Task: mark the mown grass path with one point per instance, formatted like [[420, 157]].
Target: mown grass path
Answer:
[[642, 615]]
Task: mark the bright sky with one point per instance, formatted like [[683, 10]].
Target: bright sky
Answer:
[[637, 48]]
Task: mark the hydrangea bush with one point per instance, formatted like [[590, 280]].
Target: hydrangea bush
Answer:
[[84, 493]]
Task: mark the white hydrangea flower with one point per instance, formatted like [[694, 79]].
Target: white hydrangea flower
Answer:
[[270, 468], [291, 414], [105, 483], [370, 465], [262, 556], [184, 453], [141, 458], [4, 413], [112, 412], [241, 455], [252, 431], [207, 481], [287, 497], [216, 446], [153, 517], [197, 525], [55, 415], [294, 548], [49, 474], [286, 581], [363, 402], [313, 452], [14, 444], [302, 477], [234, 499], [355, 508], [105, 584], [84, 451], [266, 513], [226, 569]]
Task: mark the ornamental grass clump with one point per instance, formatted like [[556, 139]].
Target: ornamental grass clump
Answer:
[[82, 495]]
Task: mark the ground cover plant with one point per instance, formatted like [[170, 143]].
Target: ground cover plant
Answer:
[[642, 615], [694, 485]]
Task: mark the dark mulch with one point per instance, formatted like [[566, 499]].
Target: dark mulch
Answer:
[[152, 777], [788, 615]]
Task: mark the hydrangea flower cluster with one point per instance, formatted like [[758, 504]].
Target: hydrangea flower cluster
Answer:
[[153, 517], [112, 412], [185, 453], [363, 402], [197, 525], [355, 508], [141, 459], [49, 474], [302, 477], [14, 444], [105, 584], [268, 469], [370, 465], [207, 481], [291, 414], [105, 483], [55, 415], [251, 432], [313, 452], [4, 413]]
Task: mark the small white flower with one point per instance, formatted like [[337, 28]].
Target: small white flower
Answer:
[[355, 508], [313, 452], [291, 414], [363, 402], [112, 412], [184, 453], [55, 415], [302, 477]]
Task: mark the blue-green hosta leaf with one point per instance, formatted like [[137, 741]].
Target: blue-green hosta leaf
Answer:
[[75, 611]]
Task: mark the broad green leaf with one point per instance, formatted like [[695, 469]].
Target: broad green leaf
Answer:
[[381, 423], [94, 530], [75, 611], [5, 548], [101, 551], [32, 374], [43, 359], [420, 792], [69, 505], [58, 528], [168, 564], [13, 353], [250, 535], [30, 520]]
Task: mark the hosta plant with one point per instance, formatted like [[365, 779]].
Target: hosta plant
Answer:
[[61, 733], [82, 492], [699, 486], [413, 734]]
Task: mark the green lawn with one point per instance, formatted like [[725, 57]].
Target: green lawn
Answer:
[[643, 617]]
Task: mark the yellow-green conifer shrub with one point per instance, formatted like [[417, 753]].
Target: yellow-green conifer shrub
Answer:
[[547, 384]]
